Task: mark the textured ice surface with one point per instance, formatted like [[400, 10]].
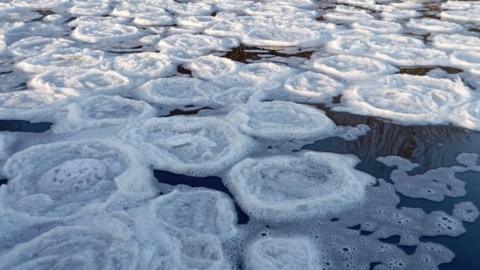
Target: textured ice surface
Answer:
[[196, 211], [102, 111], [63, 59], [456, 42], [407, 99], [80, 82], [33, 46], [178, 91], [61, 178], [282, 120], [282, 253], [189, 145], [312, 87], [145, 64], [300, 186], [352, 67]]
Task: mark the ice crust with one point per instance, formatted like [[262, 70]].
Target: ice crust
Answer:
[[296, 187], [215, 92]]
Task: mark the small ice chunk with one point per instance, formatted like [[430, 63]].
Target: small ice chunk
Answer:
[[60, 178], [305, 185], [198, 146], [406, 99], [202, 252], [31, 105], [296, 253], [196, 211], [466, 211], [312, 87], [101, 111], [178, 91], [352, 67], [282, 120]]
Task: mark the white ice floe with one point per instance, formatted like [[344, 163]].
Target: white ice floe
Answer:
[[33, 46], [198, 146], [295, 253], [81, 82], [456, 42], [466, 59], [102, 111], [407, 99], [144, 64], [196, 211], [31, 105], [352, 67], [378, 26], [211, 67], [178, 91], [284, 37], [61, 178], [434, 25], [468, 115], [469, 15], [312, 87], [236, 96], [200, 251], [62, 59], [75, 247], [407, 56], [199, 43], [282, 120], [104, 31], [305, 185], [90, 7]]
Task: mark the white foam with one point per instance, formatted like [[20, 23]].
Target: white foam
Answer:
[[196, 211], [61, 178], [178, 91], [282, 120], [305, 185], [294, 253], [189, 145], [352, 67], [312, 87], [406, 99], [102, 111]]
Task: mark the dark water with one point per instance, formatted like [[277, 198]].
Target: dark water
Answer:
[[23, 126]]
